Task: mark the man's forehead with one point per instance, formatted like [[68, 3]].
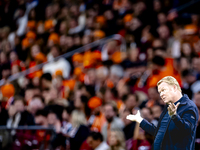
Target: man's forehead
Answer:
[[162, 85]]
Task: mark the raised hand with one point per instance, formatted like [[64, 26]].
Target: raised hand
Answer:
[[136, 117], [172, 108]]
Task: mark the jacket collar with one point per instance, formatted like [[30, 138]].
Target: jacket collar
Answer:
[[183, 100]]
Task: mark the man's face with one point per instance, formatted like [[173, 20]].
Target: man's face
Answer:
[[51, 118], [109, 112], [93, 143], [166, 92]]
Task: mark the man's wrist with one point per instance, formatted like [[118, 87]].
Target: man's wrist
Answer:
[[173, 116], [139, 120]]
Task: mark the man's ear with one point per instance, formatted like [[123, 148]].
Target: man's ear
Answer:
[[175, 88]]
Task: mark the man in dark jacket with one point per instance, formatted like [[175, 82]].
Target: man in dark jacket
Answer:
[[176, 129]]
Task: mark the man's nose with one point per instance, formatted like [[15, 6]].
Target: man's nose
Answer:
[[161, 94]]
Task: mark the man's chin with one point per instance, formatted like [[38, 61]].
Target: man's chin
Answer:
[[166, 102]]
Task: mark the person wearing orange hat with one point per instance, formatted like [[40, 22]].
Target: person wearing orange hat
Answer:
[[95, 104], [49, 24], [82, 77], [53, 39], [100, 22], [28, 40], [31, 25], [70, 84], [128, 18], [191, 33], [97, 55], [100, 19], [97, 58], [190, 29], [31, 35], [98, 34], [118, 57], [25, 43], [40, 57], [77, 59], [88, 60], [77, 72]]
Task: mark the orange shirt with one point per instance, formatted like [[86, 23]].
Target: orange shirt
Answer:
[[98, 123]]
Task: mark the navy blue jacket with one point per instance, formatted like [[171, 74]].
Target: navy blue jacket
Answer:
[[181, 129]]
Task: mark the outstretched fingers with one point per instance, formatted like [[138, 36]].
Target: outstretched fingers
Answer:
[[129, 117], [177, 104]]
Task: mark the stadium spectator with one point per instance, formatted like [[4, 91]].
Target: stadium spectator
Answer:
[[116, 140], [112, 121], [94, 142]]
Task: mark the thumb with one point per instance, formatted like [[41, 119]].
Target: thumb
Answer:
[[138, 113], [177, 104]]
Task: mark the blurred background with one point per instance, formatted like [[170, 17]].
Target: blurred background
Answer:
[[72, 70]]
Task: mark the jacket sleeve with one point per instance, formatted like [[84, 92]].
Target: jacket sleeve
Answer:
[[148, 127], [187, 122]]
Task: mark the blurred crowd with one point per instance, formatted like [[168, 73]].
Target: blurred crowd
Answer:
[[85, 98]]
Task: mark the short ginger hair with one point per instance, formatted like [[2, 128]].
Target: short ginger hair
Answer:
[[171, 81]]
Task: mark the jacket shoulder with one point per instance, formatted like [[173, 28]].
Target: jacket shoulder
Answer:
[[188, 106]]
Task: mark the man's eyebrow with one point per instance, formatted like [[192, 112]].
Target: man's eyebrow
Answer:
[[160, 89]]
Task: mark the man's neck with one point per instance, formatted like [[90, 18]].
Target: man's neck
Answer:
[[177, 98]]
